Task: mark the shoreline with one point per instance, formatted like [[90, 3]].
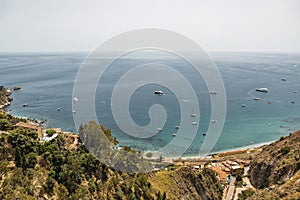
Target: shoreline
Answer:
[[227, 151]]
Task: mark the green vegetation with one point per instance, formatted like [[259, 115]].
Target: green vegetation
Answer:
[[50, 132], [284, 150], [102, 145], [51, 170], [245, 194]]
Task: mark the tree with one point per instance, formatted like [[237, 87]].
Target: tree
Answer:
[[50, 132], [4, 124]]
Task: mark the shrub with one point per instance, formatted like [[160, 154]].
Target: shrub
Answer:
[[50, 132], [284, 150]]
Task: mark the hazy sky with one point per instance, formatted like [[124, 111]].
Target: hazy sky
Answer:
[[217, 25]]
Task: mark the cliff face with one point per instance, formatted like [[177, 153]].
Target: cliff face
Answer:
[[186, 183], [4, 99], [277, 163]]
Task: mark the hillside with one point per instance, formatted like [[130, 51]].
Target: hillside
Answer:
[[187, 183], [275, 171], [30, 169]]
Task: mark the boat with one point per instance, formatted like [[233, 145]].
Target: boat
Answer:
[[174, 134], [193, 115], [243, 105], [159, 129], [25, 105], [75, 100], [262, 89], [158, 92], [176, 127], [74, 111], [295, 91], [16, 87], [212, 92], [58, 109], [213, 121], [204, 134], [293, 101], [194, 123], [283, 79], [257, 99]]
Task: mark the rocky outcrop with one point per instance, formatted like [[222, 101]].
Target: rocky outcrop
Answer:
[[277, 163], [4, 97]]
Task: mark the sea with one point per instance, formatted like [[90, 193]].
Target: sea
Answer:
[[47, 80]]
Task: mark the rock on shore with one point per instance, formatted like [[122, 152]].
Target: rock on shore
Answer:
[[4, 97]]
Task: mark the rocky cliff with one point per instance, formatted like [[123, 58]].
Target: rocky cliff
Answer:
[[277, 163], [4, 97], [275, 171]]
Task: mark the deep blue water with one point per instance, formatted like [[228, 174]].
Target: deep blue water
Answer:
[[47, 83]]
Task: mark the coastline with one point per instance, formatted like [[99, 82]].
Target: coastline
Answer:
[[230, 151]]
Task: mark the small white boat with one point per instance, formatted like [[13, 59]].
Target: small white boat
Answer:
[[75, 100], [213, 121], [74, 111], [194, 123], [283, 79], [174, 134], [176, 127], [193, 115], [58, 109], [295, 91], [158, 92], [212, 92], [262, 89], [25, 105], [257, 99], [243, 105], [159, 129]]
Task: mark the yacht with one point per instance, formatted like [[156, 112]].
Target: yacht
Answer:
[[158, 92], [75, 100], [243, 105], [262, 89], [174, 134], [194, 123], [257, 99], [193, 115]]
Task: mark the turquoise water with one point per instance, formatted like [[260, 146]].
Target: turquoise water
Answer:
[[47, 83]]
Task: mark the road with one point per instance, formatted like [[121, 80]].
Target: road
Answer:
[[231, 188]]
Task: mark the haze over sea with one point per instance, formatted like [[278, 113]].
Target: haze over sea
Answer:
[[47, 84]]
